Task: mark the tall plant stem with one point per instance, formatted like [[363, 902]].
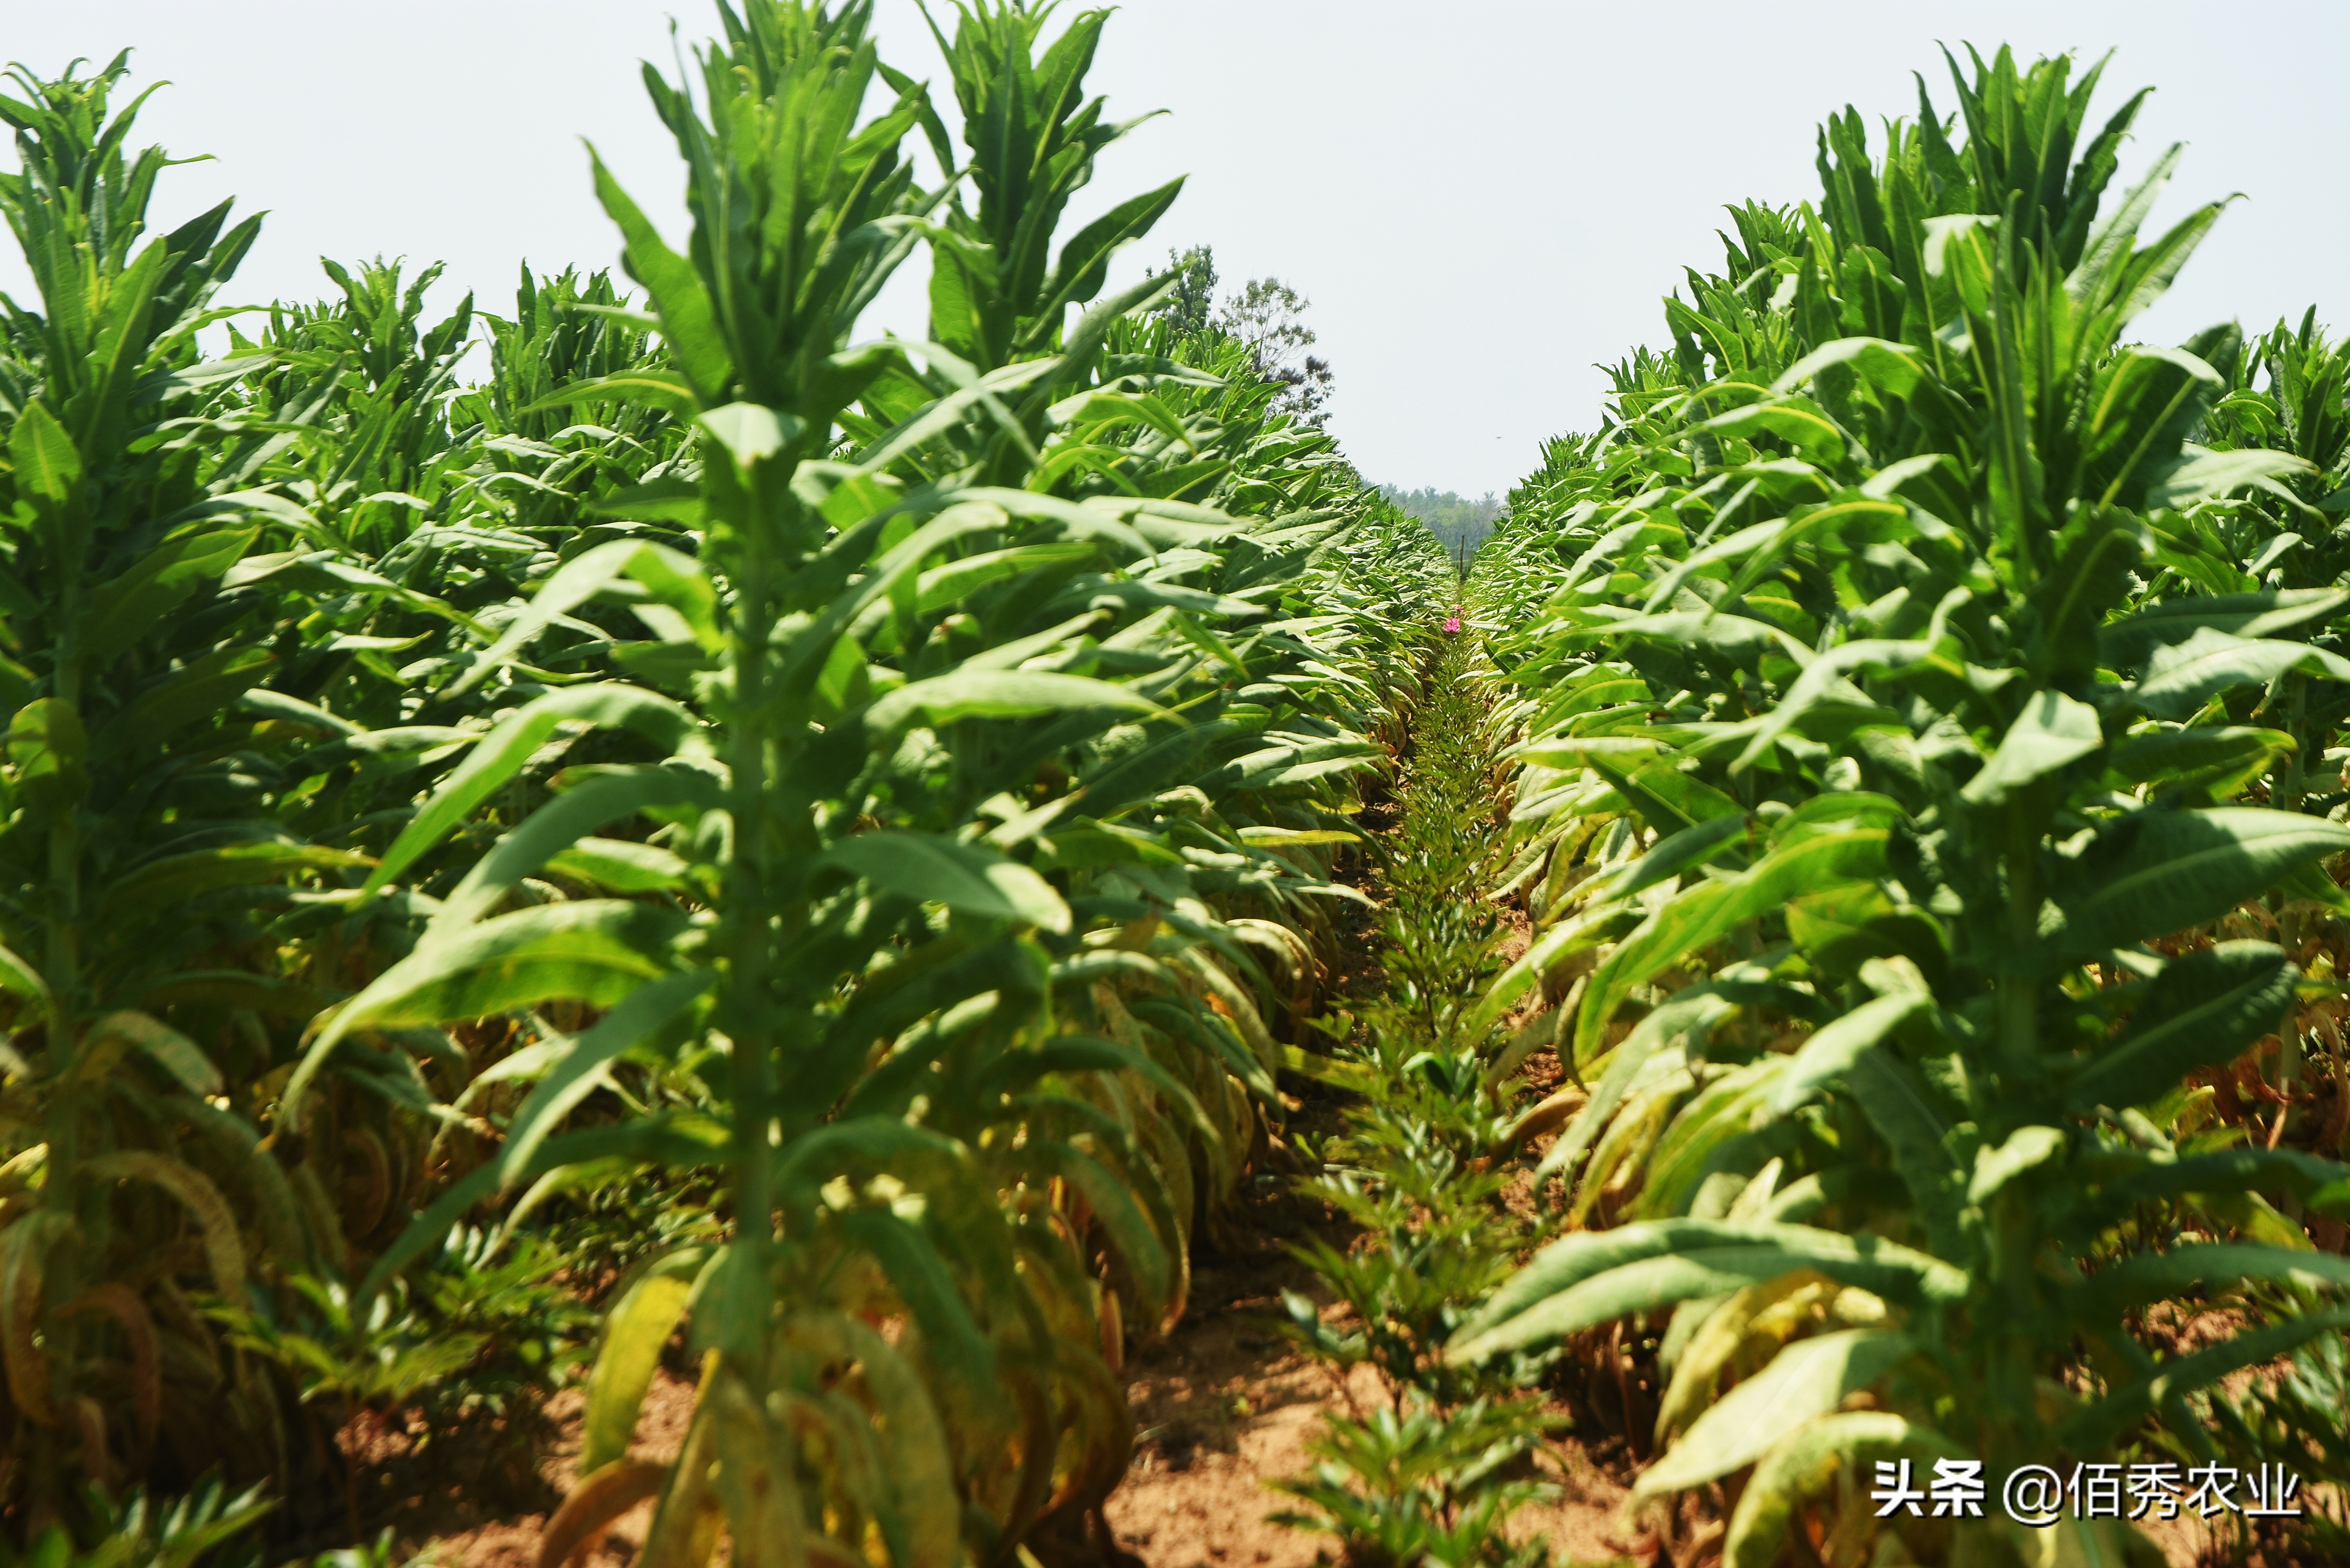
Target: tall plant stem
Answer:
[[746, 1009], [2019, 996]]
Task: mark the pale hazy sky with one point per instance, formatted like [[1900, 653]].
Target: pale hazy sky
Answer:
[[1482, 199]]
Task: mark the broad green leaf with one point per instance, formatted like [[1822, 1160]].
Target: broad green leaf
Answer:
[[2154, 872], [846, 494], [2218, 760], [952, 582], [1692, 1013], [620, 865], [963, 876], [1806, 1380], [1812, 1462], [689, 321], [1085, 260], [195, 693], [1893, 1099], [51, 752], [173, 1050], [665, 500], [1892, 367], [657, 389], [565, 823], [1797, 421], [593, 951], [1294, 838], [2197, 474], [2026, 1149], [2127, 641], [749, 432], [1841, 928], [1826, 687], [501, 753], [598, 952], [1595, 1277], [578, 1065], [161, 886], [2205, 1008], [1699, 915], [1700, 1138], [2052, 733], [636, 1329], [49, 468], [1830, 1054], [1740, 638], [1584, 933], [2181, 678], [1572, 752], [1666, 798], [1716, 838], [997, 694], [133, 605], [580, 579]]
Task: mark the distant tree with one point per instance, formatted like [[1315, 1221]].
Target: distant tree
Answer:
[[1191, 307], [1264, 315], [1461, 524]]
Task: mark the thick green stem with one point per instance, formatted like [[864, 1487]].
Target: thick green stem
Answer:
[[2019, 996], [751, 921], [2286, 795], [2010, 1416], [63, 959]]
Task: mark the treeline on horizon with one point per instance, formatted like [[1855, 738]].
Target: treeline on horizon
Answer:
[[1459, 523]]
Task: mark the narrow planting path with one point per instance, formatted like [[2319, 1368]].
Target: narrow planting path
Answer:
[[1302, 1411]]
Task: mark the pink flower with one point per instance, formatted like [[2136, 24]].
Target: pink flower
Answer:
[[1453, 623]]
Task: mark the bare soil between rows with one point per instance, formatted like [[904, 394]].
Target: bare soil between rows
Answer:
[[1224, 1406]]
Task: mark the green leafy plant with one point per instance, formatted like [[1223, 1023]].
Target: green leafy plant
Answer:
[[208, 740], [2290, 1416], [1420, 1487], [910, 915], [1433, 1474], [475, 1341], [141, 858], [208, 1526], [1885, 818]]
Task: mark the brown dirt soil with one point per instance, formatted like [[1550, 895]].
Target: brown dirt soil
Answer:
[[513, 1543], [1226, 1406], [1223, 1403]]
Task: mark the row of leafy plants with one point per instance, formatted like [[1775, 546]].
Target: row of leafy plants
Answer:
[[1929, 702], [1431, 1467], [820, 841]]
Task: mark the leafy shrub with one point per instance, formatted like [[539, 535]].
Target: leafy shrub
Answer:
[[1905, 661]]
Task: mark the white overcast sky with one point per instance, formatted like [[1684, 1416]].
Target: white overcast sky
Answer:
[[1482, 198]]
